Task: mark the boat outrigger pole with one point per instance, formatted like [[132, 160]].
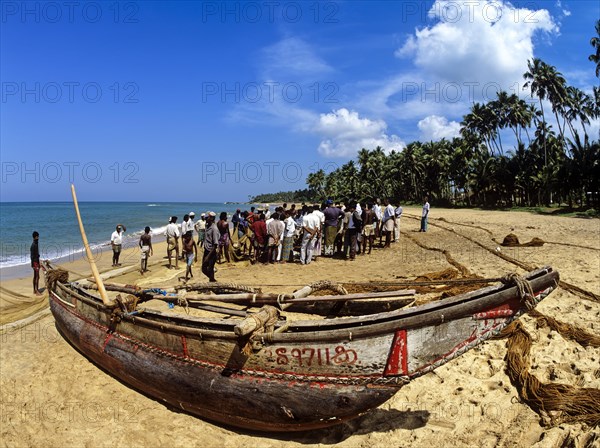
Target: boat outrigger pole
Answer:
[[88, 252]]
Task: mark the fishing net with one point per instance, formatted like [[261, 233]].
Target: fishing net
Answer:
[[556, 403], [15, 306], [511, 240]]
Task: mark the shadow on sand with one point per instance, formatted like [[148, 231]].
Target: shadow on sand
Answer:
[[377, 420]]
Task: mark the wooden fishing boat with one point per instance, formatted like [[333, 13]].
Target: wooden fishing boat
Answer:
[[264, 373]]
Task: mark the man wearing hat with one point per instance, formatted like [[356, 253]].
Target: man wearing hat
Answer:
[[191, 224], [211, 246], [116, 242]]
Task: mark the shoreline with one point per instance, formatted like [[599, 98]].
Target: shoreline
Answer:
[[467, 402]]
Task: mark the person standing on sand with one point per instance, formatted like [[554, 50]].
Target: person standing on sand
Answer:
[[274, 230], [288, 237], [190, 251], [388, 223], [369, 220], [116, 242], [211, 245], [398, 212], [225, 238], [235, 220], [378, 219], [350, 237], [200, 227], [191, 224], [183, 228], [34, 253], [259, 228], [146, 249], [311, 224], [332, 218], [172, 234], [425, 215]]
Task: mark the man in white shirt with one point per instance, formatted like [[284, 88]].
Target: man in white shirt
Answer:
[[311, 225], [389, 220], [378, 216], [398, 213], [288, 238], [318, 246], [191, 224], [424, 215], [116, 242], [200, 228], [172, 234]]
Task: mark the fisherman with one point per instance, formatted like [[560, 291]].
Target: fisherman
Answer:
[[34, 252], [211, 245], [172, 234], [116, 242], [145, 248], [424, 215], [200, 227], [190, 252]]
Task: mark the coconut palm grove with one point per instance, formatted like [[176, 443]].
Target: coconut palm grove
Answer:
[[547, 156]]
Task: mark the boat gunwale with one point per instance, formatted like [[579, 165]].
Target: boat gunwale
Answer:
[[345, 328]]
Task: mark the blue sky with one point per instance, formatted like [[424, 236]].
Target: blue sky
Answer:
[[216, 101]]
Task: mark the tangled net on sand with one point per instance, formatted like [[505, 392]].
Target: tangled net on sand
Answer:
[[556, 403], [511, 240]]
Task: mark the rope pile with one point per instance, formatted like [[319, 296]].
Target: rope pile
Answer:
[[511, 240], [556, 403], [567, 331], [324, 285]]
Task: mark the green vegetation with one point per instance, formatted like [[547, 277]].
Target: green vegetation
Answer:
[[547, 166]]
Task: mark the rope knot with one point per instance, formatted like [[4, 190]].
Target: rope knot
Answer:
[[524, 289]]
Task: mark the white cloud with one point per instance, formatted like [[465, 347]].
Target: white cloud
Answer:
[[293, 56], [481, 42], [435, 128], [344, 133]]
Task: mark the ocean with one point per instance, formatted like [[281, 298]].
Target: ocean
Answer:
[[60, 239]]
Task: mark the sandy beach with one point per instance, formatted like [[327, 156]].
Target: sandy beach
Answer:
[[52, 396]]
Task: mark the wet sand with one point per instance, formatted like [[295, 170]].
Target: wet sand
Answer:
[[53, 396]]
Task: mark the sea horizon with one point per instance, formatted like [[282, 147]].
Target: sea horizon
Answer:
[[60, 239]]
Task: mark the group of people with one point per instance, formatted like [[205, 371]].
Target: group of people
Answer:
[[328, 229], [210, 238]]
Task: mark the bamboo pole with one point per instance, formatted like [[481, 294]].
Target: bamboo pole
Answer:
[[88, 253], [268, 298]]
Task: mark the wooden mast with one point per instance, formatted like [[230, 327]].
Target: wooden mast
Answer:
[[88, 251]]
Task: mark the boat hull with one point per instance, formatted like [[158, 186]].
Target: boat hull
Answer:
[[314, 374], [255, 402]]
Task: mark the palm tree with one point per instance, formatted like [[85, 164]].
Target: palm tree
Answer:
[[483, 122], [413, 164], [316, 184], [595, 42], [579, 107], [546, 82]]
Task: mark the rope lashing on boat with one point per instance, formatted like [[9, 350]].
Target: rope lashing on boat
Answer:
[[183, 302], [128, 303], [524, 289], [56, 275], [254, 325]]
